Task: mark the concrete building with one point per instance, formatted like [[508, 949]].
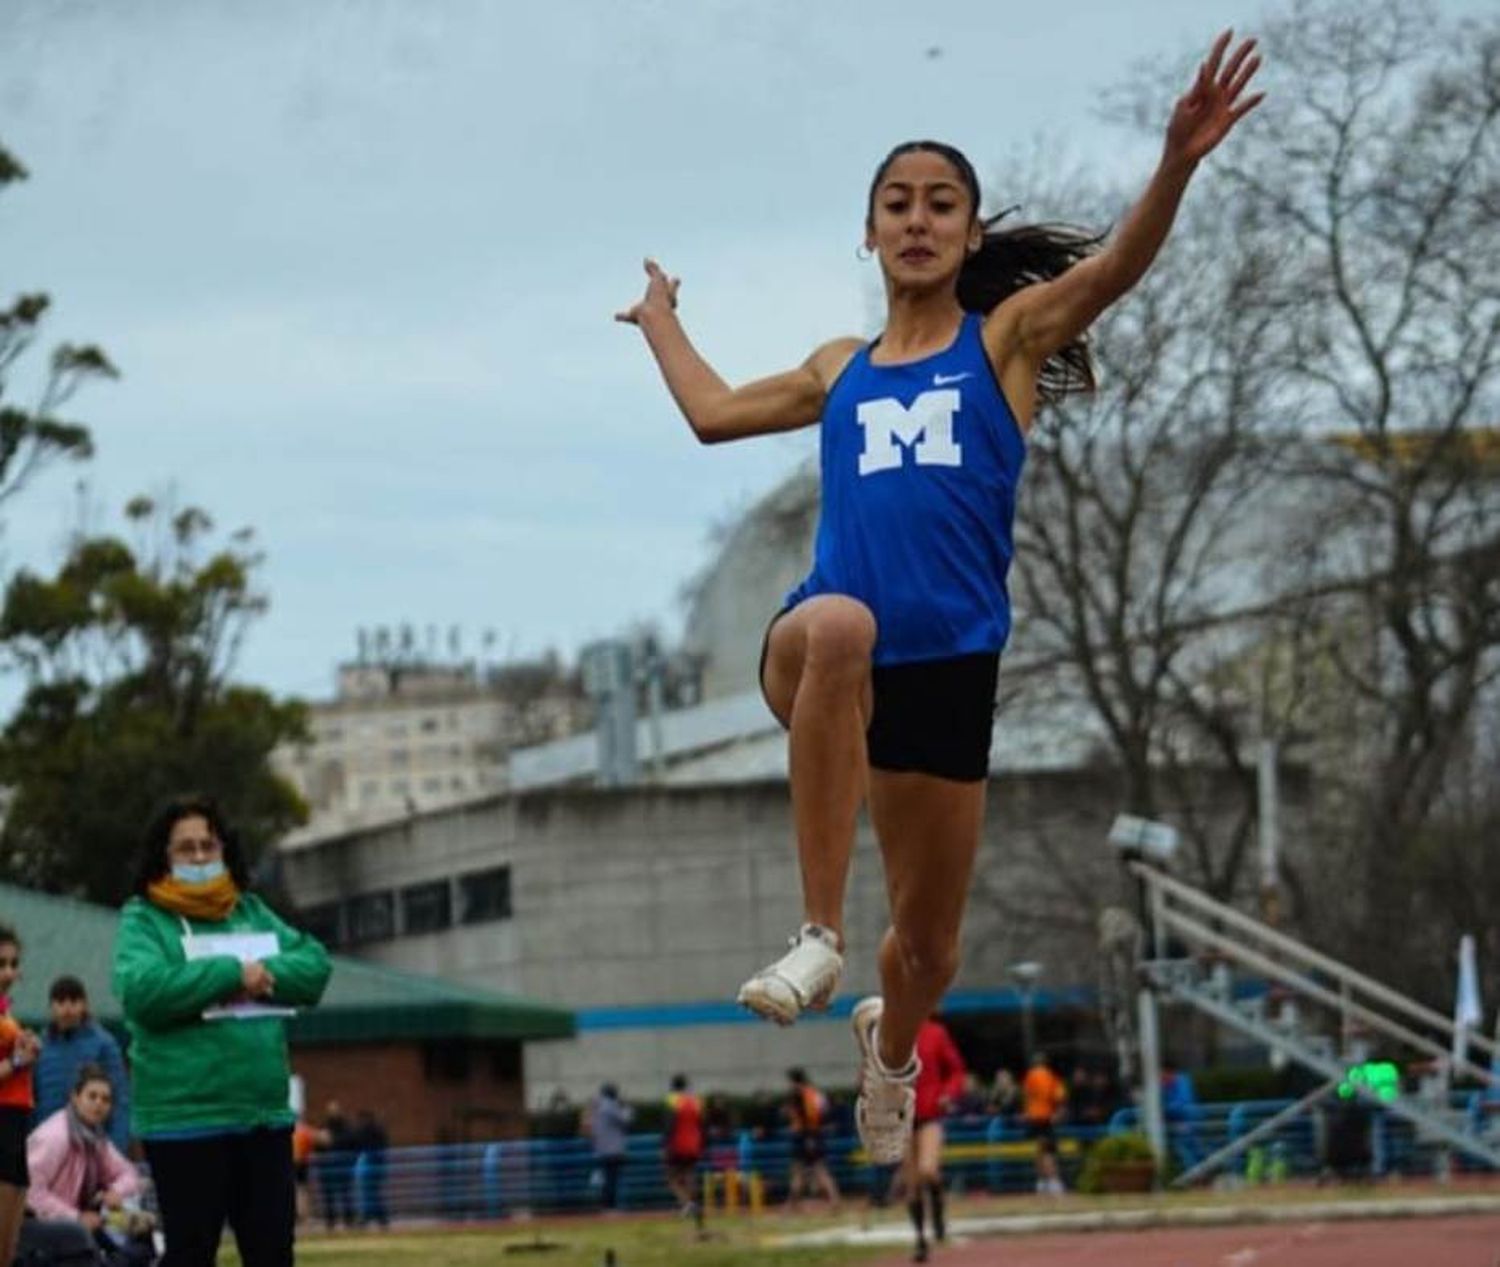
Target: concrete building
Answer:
[[402, 736]]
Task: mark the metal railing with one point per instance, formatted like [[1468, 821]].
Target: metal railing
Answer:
[[504, 1178], [1196, 945]]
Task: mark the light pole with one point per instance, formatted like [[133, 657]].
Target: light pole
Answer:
[[1026, 973]]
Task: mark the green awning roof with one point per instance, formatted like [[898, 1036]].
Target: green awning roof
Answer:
[[365, 1002]]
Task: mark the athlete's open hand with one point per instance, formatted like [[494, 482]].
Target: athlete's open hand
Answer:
[[660, 296], [1205, 113]]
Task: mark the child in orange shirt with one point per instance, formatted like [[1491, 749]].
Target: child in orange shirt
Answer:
[[18, 1052]]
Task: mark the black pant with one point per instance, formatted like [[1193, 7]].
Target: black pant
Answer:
[[609, 1197], [246, 1179], [336, 1176]]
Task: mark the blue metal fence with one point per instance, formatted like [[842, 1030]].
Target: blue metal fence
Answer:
[[502, 1178], [1297, 1148]]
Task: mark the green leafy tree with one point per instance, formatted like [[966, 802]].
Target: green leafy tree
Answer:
[[129, 651], [35, 434]]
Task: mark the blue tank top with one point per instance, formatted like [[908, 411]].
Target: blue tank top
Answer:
[[920, 466]]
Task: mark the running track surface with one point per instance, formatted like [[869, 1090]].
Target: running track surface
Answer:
[[1462, 1242]]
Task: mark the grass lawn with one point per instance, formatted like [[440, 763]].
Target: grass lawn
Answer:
[[637, 1242]]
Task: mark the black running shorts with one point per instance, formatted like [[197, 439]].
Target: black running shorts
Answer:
[[932, 716], [935, 716]]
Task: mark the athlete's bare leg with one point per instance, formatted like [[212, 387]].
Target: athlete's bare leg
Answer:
[[929, 831], [817, 681], [828, 1185], [925, 1163], [922, 1178], [794, 1188]]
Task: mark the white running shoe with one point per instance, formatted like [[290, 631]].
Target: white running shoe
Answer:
[[883, 1112], [805, 977]]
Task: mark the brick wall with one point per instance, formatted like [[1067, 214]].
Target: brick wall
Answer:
[[423, 1093]]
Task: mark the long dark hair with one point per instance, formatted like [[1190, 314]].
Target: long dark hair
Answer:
[[153, 865], [1008, 260]]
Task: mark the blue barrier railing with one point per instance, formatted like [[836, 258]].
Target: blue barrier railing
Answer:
[[1299, 1146], [501, 1178]]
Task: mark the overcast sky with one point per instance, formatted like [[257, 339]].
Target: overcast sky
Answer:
[[357, 261]]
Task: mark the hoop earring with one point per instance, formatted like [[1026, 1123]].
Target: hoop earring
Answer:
[[863, 253]]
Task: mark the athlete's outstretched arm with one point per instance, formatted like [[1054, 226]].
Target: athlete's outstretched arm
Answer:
[[714, 410], [1048, 316]]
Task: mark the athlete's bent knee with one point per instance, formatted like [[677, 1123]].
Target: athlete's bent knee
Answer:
[[840, 634]]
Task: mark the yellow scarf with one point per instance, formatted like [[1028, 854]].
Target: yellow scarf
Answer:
[[213, 899]]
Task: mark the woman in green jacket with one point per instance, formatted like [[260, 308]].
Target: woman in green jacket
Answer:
[[206, 972]]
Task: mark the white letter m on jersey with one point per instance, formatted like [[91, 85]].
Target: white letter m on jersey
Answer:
[[926, 428]]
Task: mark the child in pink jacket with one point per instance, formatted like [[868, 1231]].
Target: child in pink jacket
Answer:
[[76, 1172]]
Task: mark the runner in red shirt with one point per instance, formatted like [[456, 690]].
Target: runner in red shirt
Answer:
[[940, 1079], [682, 1145]]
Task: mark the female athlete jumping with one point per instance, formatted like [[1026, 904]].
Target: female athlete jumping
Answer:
[[882, 663]]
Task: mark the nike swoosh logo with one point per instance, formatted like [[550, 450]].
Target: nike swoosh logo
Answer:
[[942, 380]]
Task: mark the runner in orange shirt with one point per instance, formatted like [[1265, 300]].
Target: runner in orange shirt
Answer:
[[806, 1111], [1043, 1094]]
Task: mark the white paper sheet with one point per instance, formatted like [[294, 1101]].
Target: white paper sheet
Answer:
[[247, 948]]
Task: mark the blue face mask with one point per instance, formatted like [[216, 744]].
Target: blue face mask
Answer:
[[197, 872]]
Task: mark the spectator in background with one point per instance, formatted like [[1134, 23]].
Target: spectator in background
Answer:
[[77, 1173], [205, 971], [682, 1146], [1004, 1094], [608, 1128], [18, 1052], [1106, 1095], [371, 1143], [305, 1139], [971, 1105], [1042, 1098], [74, 1039], [336, 1149], [720, 1139], [806, 1110], [1086, 1097], [1179, 1105]]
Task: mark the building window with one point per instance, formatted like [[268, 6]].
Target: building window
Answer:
[[484, 895], [369, 790], [400, 787], [323, 922], [400, 756], [370, 917], [457, 783], [429, 724], [427, 908], [432, 785]]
